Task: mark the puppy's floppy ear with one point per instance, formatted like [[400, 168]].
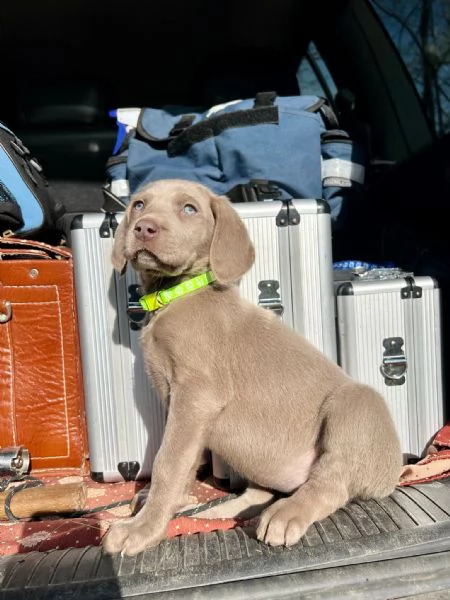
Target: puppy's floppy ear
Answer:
[[232, 253], [118, 253]]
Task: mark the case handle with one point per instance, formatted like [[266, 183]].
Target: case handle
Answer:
[[11, 246]]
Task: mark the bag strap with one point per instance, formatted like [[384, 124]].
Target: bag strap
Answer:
[[10, 246], [264, 99], [217, 124], [181, 125], [184, 122], [184, 133]]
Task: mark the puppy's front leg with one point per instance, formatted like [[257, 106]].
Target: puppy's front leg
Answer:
[[173, 474]]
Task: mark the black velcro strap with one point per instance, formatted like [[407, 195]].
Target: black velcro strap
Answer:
[[185, 122], [217, 124], [264, 99]]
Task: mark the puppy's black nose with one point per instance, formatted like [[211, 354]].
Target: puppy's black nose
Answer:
[[145, 229]]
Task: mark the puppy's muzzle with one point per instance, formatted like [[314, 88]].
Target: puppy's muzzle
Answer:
[[145, 230]]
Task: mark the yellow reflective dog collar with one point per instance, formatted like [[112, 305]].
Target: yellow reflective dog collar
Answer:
[[161, 298]]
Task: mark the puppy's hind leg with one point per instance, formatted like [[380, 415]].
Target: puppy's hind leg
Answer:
[[359, 456], [246, 506], [286, 520]]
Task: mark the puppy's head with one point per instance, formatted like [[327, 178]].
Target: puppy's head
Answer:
[[174, 227]]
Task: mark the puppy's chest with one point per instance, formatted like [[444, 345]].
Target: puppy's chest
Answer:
[[162, 344], [150, 341], [150, 333]]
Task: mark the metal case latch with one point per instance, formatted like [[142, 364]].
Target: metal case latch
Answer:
[[136, 314], [394, 365], [269, 296]]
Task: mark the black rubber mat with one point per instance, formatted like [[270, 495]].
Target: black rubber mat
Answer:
[[413, 522]]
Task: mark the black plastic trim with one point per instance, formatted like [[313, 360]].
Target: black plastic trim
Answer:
[[322, 206], [77, 222], [345, 289]]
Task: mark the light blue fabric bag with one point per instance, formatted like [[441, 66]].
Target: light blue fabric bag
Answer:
[[24, 187], [290, 147]]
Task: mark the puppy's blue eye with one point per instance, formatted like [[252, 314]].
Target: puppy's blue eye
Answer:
[[189, 209], [138, 205]]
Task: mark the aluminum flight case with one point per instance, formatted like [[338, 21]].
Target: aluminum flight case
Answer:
[[389, 336], [292, 275]]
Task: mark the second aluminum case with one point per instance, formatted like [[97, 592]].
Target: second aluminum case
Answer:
[[292, 275], [389, 337]]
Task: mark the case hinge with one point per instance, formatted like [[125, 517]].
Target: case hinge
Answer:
[[105, 227], [288, 215], [108, 226], [411, 290]]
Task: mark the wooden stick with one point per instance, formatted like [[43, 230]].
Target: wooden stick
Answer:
[[45, 500]]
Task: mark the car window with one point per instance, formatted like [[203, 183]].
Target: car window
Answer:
[[420, 30], [313, 77]]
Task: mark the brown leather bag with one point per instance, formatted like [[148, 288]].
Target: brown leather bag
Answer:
[[41, 387]]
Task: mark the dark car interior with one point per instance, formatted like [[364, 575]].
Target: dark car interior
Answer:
[[68, 67]]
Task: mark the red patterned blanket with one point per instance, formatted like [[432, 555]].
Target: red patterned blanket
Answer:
[[109, 502]]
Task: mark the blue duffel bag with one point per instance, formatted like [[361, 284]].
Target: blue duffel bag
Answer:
[[260, 148]]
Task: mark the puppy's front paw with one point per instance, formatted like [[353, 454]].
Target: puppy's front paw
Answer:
[[281, 524], [130, 537]]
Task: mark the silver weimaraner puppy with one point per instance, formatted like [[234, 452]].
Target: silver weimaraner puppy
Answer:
[[237, 381]]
